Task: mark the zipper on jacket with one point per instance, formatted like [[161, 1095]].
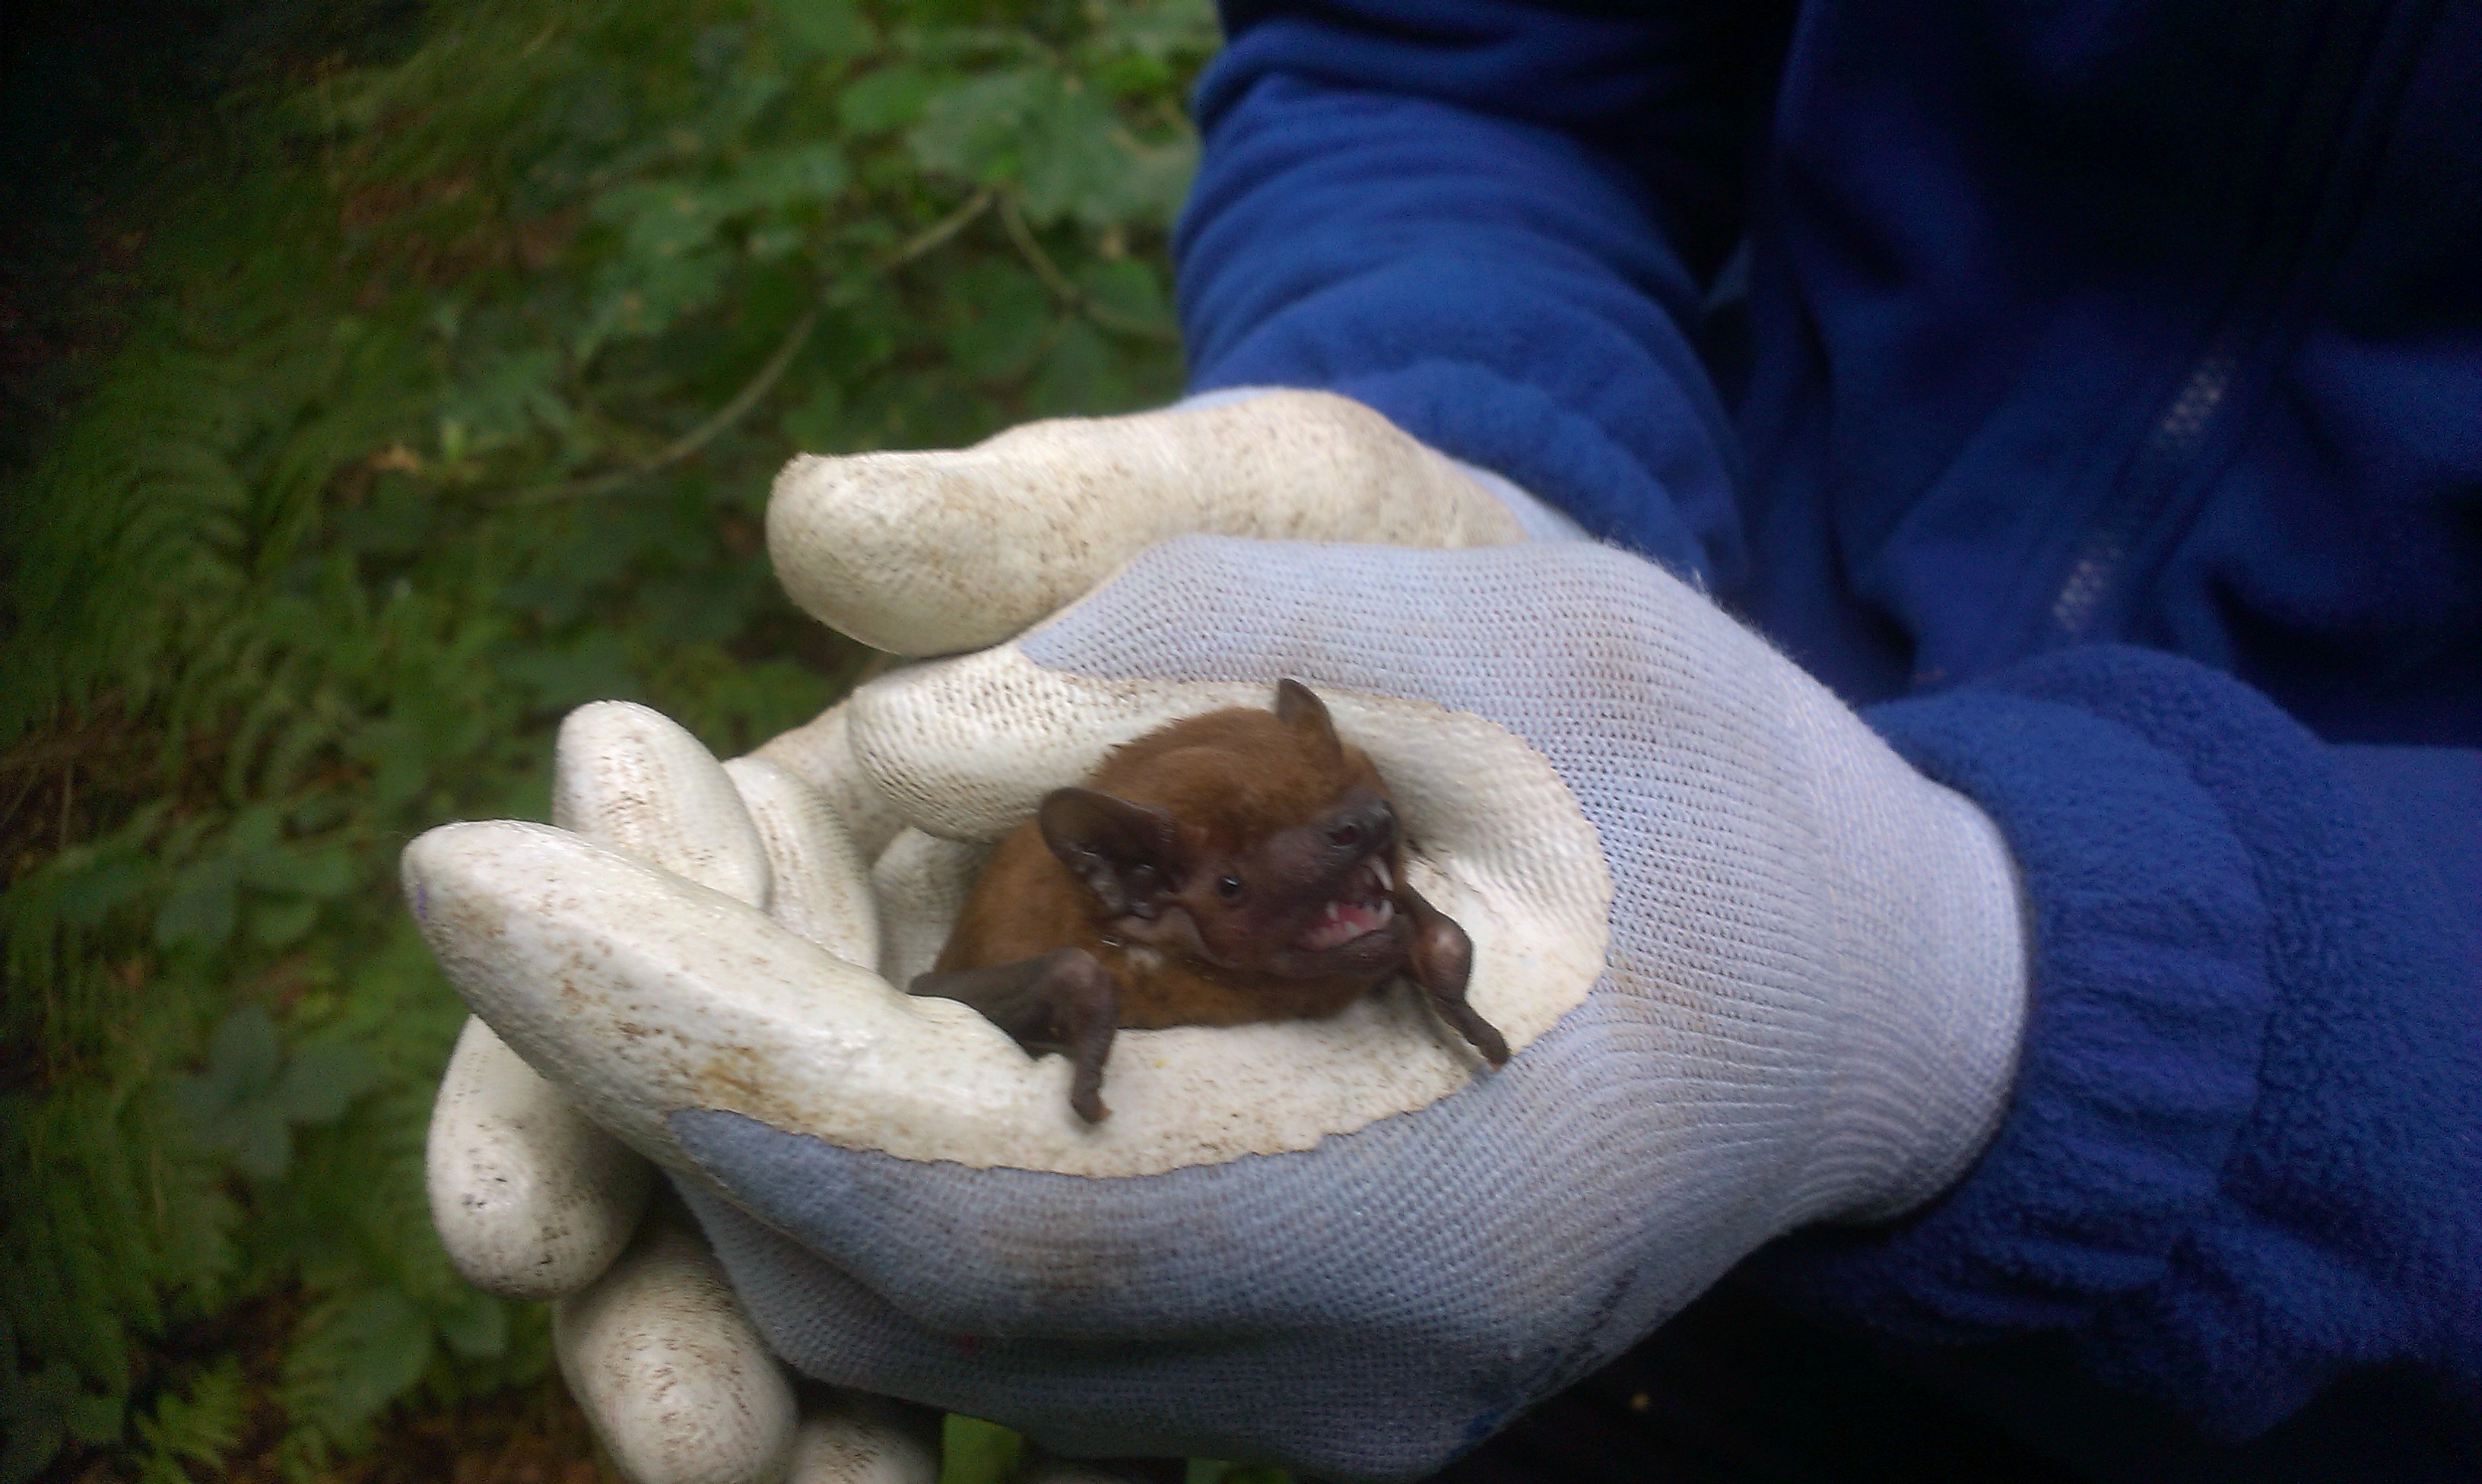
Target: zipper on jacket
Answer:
[[2316, 165]]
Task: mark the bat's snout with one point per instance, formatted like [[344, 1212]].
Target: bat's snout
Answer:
[[1363, 825]]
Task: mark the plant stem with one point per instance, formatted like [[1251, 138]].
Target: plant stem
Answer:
[[756, 390], [1069, 294]]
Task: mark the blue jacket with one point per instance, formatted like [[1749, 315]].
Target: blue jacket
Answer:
[[2102, 411]]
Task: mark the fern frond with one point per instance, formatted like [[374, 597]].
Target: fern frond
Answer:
[[198, 1426]]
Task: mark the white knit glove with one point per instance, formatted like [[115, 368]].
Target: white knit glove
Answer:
[[1758, 972], [532, 1199], [535, 1201]]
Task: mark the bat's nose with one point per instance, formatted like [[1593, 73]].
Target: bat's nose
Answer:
[[1363, 823]]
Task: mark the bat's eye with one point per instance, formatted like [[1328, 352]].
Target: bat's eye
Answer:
[[1229, 888]]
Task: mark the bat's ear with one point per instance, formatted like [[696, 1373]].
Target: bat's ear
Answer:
[[1298, 708], [1128, 855]]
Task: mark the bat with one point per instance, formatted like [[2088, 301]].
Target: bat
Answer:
[[1238, 866]]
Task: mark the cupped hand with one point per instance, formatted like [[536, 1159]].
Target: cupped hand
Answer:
[[534, 1200], [1757, 973]]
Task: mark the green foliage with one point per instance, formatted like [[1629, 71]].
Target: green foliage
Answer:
[[198, 1427], [450, 401], [973, 1451], [250, 1097]]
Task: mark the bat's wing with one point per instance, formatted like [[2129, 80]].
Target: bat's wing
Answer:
[[1062, 1001]]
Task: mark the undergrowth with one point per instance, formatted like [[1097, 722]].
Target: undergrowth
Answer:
[[447, 401]]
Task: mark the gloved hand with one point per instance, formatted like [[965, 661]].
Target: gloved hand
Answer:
[[1758, 972], [532, 1199]]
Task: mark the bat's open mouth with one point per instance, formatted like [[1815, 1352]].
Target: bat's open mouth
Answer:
[[1361, 905]]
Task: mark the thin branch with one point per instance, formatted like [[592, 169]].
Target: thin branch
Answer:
[[1069, 294], [46, 752], [939, 231], [692, 441], [756, 391], [23, 788]]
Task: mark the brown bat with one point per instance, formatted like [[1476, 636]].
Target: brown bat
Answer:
[[1238, 866]]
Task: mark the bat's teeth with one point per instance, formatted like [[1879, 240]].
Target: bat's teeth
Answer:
[[1379, 868]]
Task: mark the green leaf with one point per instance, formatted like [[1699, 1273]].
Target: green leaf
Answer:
[[1006, 316], [275, 924], [477, 1329], [1062, 139], [803, 174], [662, 219], [1075, 158], [1130, 75], [356, 1357], [1157, 28], [769, 243], [973, 1451], [397, 519], [816, 424], [890, 98], [322, 872], [322, 1079], [89, 884], [507, 395], [835, 30], [243, 1108], [977, 129], [92, 1417], [1125, 286], [201, 907], [200, 1425], [643, 295], [254, 1136], [40, 1412], [1079, 373], [30, 1443], [593, 666], [715, 48], [243, 1054]]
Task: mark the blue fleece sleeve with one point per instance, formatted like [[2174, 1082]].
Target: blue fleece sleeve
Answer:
[[1476, 217], [2244, 1155]]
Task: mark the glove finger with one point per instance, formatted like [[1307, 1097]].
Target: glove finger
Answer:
[[817, 884], [936, 553], [1273, 1395], [640, 993], [921, 884], [631, 777], [855, 1437], [670, 1371], [645, 995], [531, 1200], [820, 756], [529, 1196], [966, 748]]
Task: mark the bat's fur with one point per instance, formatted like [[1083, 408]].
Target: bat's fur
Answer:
[[1238, 866]]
